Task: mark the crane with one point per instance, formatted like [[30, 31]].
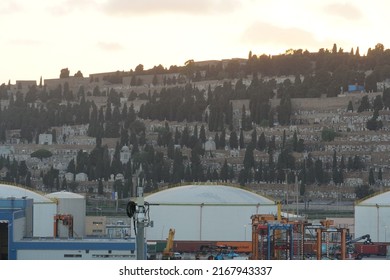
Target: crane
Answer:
[[366, 241], [168, 254]]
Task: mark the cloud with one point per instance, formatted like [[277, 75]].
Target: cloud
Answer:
[[137, 7], [346, 11], [25, 42], [69, 6], [109, 46], [9, 7], [265, 33]]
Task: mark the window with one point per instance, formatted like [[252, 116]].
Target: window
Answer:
[[72, 255]]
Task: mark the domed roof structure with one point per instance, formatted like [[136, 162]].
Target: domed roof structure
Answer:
[[64, 194], [205, 212], [19, 192], [382, 198], [44, 208], [208, 194], [125, 149]]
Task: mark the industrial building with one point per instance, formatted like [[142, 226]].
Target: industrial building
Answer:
[[205, 212], [73, 204], [55, 226], [33, 226], [372, 216], [44, 208]]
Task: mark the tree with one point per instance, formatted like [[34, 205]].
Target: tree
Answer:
[[202, 134], [233, 141], [284, 110], [22, 169], [249, 160], [222, 139], [254, 137], [295, 141], [378, 103], [364, 104], [118, 187], [178, 167], [261, 143], [139, 69], [363, 191], [224, 174], [319, 172], [241, 141], [64, 73], [71, 167], [373, 123], [41, 154], [371, 178], [350, 106], [328, 134], [79, 74], [28, 179], [100, 187]]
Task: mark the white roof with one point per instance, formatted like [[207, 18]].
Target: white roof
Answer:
[[207, 194], [64, 194], [19, 192], [380, 199]]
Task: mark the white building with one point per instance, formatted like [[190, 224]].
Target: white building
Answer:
[[81, 177], [210, 146], [6, 151], [372, 216], [45, 139], [69, 177], [73, 204], [44, 208], [125, 154], [205, 212]]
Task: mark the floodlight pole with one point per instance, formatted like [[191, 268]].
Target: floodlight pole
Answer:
[[140, 218]]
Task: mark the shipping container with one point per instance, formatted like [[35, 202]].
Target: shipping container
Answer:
[[378, 249]]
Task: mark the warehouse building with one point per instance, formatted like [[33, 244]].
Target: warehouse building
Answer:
[[28, 224], [372, 216], [205, 212]]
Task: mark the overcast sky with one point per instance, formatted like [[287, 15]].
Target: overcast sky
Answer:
[[40, 37]]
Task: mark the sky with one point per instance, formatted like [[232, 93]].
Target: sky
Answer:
[[39, 38]]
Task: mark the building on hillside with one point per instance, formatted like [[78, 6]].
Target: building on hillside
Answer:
[[6, 151], [45, 139], [125, 154]]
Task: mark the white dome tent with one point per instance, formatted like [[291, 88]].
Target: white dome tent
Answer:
[[44, 208], [205, 212], [372, 216]]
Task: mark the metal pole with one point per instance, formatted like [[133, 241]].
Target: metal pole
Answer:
[[377, 222], [200, 221], [140, 218], [297, 190]]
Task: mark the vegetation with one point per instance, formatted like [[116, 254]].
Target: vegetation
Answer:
[[178, 154], [41, 154]]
